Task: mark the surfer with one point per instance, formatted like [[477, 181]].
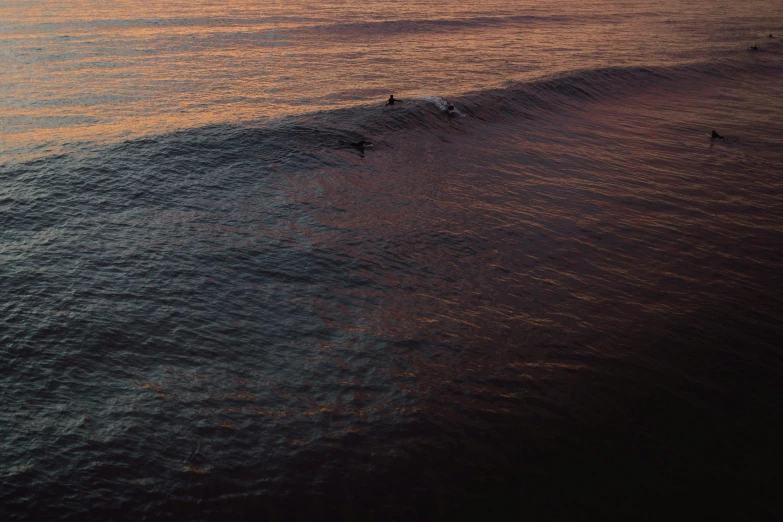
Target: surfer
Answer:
[[391, 100], [449, 107], [770, 36], [754, 47], [715, 135], [360, 146]]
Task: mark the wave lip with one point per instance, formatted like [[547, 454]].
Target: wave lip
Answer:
[[387, 27]]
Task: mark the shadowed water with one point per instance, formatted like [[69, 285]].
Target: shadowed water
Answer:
[[560, 302]]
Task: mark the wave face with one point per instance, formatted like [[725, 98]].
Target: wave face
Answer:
[[562, 289], [306, 140]]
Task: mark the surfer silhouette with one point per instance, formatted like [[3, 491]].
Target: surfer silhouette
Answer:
[[754, 47], [360, 146], [391, 100], [715, 135]]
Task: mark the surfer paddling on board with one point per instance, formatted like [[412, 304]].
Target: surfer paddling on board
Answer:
[[754, 48], [360, 146], [715, 136]]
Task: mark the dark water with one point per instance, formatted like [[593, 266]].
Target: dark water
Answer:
[[562, 302]]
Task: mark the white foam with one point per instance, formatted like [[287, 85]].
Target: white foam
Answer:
[[441, 104]]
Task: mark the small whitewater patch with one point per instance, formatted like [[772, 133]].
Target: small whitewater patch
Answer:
[[442, 105]]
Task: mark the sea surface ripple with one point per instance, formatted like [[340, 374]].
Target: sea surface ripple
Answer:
[[560, 301]]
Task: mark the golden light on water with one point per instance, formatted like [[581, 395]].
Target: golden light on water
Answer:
[[218, 299], [86, 70]]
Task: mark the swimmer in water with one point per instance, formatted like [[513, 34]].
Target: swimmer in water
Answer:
[[715, 135], [360, 146], [391, 100]]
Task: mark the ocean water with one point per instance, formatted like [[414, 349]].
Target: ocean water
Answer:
[[562, 301]]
